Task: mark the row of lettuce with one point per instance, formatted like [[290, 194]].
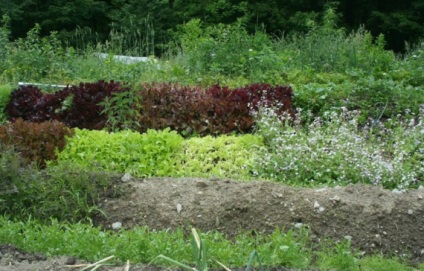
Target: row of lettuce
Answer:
[[250, 132], [154, 153], [330, 151], [116, 106]]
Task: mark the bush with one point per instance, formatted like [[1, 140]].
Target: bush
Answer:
[[36, 142], [63, 192], [32, 104], [5, 91], [85, 110]]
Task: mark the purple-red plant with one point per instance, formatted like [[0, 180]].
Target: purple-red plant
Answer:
[[85, 111], [35, 142]]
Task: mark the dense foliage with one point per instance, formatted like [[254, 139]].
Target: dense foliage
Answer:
[[400, 21], [215, 110], [36, 142], [76, 106], [143, 155]]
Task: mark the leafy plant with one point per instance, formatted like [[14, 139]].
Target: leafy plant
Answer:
[[36, 142], [339, 257], [64, 192], [122, 110], [5, 91], [85, 111], [149, 154], [32, 58], [200, 256], [327, 151], [77, 106], [223, 156], [212, 111]]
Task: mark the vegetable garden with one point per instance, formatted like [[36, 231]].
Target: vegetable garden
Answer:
[[303, 152]]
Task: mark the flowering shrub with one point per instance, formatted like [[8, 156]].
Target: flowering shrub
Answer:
[[332, 150]]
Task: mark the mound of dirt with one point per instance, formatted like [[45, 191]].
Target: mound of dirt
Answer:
[[375, 219]]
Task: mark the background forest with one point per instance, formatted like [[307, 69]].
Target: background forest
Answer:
[[154, 22]]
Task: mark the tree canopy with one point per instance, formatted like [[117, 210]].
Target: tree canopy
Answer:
[[399, 21]]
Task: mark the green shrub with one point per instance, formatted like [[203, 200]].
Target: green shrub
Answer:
[[149, 154], [338, 257], [65, 193], [223, 156], [33, 58], [376, 98], [225, 50], [327, 48]]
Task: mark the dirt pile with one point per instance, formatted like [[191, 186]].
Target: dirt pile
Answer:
[[375, 219]]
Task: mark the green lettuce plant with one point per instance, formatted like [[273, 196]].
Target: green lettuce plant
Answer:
[[223, 156], [148, 154]]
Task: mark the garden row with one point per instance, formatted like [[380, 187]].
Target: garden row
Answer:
[[154, 153], [115, 106]]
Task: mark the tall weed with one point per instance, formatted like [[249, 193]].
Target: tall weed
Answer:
[[327, 48]]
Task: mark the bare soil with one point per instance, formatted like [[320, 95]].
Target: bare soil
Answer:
[[376, 220]]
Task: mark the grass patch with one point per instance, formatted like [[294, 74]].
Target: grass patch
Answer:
[[290, 249]]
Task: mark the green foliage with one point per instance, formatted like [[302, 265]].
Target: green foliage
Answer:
[[223, 157], [326, 48], [36, 142], [122, 110], [338, 257], [378, 262], [162, 153], [33, 58], [5, 91], [287, 248], [65, 193], [376, 97], [149, 154], [412, 67], [140, 245], [4, 36], [226, 49], [11, 165], [199, 254], [327, 150]]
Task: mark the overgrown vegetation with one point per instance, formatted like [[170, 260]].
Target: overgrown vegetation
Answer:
[[291, 249], [359, 119]]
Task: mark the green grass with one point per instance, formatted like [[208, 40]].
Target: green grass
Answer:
[[140, 245], [5, 91]]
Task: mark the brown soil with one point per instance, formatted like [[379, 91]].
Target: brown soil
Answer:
[[375, 219]]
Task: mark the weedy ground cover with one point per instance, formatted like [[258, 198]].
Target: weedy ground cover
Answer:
[[336, 150], [140, 245]]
